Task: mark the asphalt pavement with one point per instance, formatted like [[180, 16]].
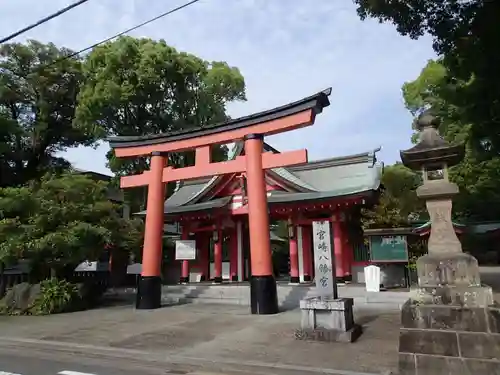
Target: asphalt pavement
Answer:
[[20, 359], [11, 364]]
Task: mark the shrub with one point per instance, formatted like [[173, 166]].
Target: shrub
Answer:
[[56, 296]]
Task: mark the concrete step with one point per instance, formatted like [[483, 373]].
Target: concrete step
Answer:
[[288, 296]]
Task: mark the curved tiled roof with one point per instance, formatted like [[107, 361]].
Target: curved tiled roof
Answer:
[[316, 180]]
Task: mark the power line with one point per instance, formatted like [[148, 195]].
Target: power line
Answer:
[[43, 20], [120, 34]]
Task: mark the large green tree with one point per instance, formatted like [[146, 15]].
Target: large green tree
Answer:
[[466, 35], [144, 87], [37, 108], [136, 87], [478, 178], [59, 222]]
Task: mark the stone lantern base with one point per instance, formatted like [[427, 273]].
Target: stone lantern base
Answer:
[[449, 328], [449, 339]]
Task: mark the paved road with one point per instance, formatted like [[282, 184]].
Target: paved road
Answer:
[[19, 365], [29, 360]]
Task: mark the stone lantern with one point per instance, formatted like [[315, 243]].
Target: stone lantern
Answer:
[[445, 264], [448, 324]]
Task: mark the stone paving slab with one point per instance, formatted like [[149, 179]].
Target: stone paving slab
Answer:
[[217, 332]]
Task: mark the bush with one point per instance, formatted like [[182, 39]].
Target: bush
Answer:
[[56, 296], [52, 296]]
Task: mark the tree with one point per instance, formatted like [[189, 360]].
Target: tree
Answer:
[[144, 87], [466, 36], [37, 107], [398, 203], [477, 178], [60, 222]]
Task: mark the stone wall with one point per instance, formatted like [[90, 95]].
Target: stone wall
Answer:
[[440, 339]]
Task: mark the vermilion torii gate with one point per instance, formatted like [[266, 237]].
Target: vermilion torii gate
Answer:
[[252, 130]]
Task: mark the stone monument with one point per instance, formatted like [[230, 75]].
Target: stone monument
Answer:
[[326, 317], [450, 324]]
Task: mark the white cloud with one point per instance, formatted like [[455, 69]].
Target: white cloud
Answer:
[[285, 49]]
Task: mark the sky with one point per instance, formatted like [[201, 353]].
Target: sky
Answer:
[[285, 49]]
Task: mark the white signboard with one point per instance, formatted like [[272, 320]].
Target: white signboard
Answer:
[[372, 278], [185, 249], [326, 285], [92, 267]]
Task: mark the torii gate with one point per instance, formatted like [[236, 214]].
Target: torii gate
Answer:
[[251, 129]]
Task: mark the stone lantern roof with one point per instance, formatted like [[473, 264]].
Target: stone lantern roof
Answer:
[[432, 151]]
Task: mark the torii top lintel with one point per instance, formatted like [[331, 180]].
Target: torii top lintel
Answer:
[[284, 118]]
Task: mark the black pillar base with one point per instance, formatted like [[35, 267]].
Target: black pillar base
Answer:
[[148, 293], [234, 278], [263, 295], [307, 278], [294, 279], [344, 279], [218, 279], [340, 280], [203, 278], [184, 280]]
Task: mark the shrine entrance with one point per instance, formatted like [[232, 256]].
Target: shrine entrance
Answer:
[[249, 129]]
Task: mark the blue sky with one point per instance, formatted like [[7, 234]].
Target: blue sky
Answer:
[[286, 50]]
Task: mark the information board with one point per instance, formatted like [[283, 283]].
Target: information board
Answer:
[[185, 249], [387, 249]]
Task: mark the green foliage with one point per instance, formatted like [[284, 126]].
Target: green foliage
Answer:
[[37, 107], [398, 201], [143, 87], [61, 221], [477, 178], [56, 296], [466, 36], [280, 229]]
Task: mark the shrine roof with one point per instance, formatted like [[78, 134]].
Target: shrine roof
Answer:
[[343, 189], [317, 180], [196, 207], [187, 191], [190, 192], [352, 172], [315, 102]]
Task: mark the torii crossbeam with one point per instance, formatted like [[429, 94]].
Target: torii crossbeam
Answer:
[[252, 130]]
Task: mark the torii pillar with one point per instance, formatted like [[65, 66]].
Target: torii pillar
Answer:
[[150, 283], [250, 129], [263, 293]]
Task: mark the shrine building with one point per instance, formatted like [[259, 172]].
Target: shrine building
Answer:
[[213, 211], [258, 185]]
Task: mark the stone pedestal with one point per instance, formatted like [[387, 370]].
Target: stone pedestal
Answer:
[[457, 269], [450, 330], [328, 320]]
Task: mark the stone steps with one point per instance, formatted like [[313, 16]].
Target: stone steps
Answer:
[[289, 296]]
